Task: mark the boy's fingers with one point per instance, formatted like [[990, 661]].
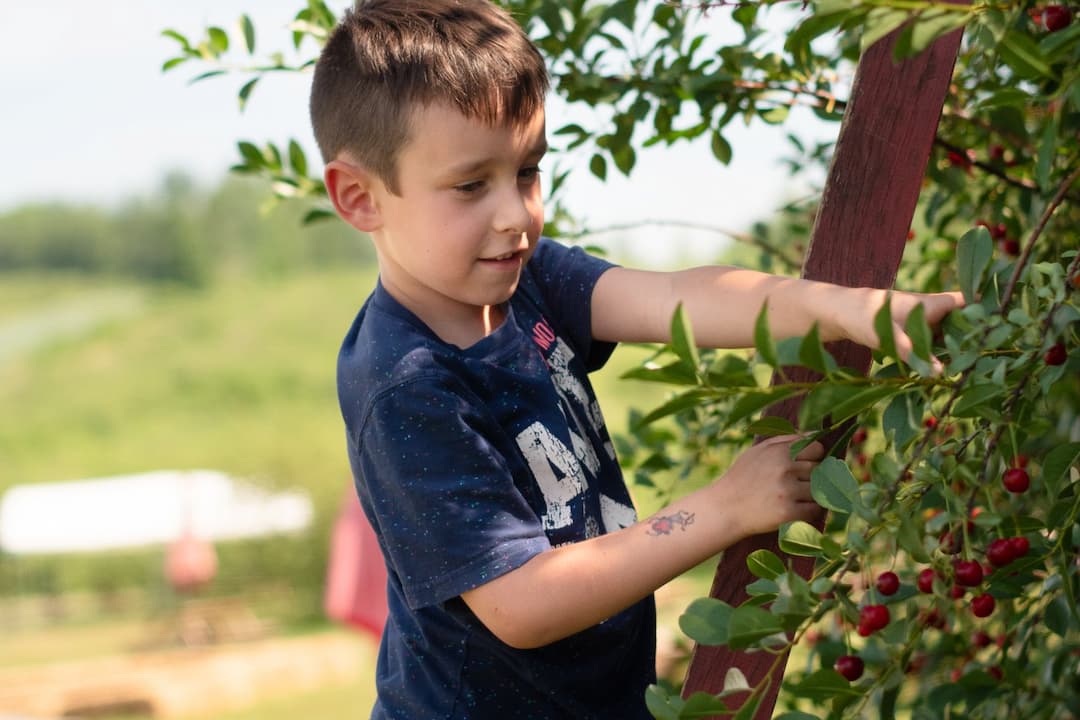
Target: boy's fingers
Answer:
[[814, 451]]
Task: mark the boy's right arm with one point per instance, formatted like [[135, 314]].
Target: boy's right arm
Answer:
[[572, 587]]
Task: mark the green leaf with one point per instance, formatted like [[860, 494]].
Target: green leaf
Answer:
[[931, 25], [702, 705], [721, 148], [682, 338], [184, 43], [707, 621], [833, 486], [173, 62], [598, 166], [812, 353], [685, 401], [910, 538], [823, 685], [248, 31], [676, 373], [1022, 54], [1006, 97], [1048, 148], [245, 92], [297, 158], [918, 330], [751, 402], [903, 418], [856, 403], [748, 624], [763, 341], [1056, 465], [976, 398], [973, 254], [770, 426], [1058, 617], [794, 603], [251, 154], [219, 40], [839, 402], [728, 370], [880, 22], [662, 704], [317, 214], [765, 564], [735, 681], [884, 329], [800, 538]]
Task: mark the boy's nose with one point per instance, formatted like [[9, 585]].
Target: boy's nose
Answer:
[[512, 214]]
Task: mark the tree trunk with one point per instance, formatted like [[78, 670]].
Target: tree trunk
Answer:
[[858, 239]]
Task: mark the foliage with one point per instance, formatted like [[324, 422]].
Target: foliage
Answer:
[[923, 487], [180, 234]]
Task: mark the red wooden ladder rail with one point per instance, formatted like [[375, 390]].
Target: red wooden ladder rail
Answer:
[[858, 239]]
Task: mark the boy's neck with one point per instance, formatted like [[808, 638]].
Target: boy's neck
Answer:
[[462, 329]]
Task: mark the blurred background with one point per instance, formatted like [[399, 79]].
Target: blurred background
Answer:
[[172, 465]]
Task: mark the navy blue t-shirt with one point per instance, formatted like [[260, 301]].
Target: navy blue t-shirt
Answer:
[[469, 463]]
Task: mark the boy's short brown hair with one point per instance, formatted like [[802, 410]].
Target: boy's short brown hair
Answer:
[[387, 57]]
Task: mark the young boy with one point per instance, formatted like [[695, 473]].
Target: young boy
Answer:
[[520, 582]]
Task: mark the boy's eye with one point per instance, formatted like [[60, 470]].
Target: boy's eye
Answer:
[[470, 188], [529, 173]]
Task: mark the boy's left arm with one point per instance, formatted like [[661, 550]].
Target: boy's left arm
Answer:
[[723, 303]]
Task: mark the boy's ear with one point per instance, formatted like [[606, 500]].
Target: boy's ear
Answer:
[[350, 189]]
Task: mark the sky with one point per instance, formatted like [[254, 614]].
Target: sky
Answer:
[[89, 117]]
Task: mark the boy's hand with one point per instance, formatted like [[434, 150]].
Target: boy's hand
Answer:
[[767, 488], [856, 318]]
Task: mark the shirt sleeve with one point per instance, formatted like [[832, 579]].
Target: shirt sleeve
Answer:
[[565, 278], [443, 499]]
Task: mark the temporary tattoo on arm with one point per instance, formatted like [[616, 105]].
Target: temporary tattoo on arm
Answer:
[[664, 524]]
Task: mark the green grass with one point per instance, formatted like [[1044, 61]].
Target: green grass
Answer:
[[238, 378]]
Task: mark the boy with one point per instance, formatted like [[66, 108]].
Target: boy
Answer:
[[520, 582]]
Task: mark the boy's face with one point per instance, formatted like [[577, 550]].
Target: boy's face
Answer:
[[467, 217]]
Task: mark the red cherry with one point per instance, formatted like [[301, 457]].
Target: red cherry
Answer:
[[982, 605], [925, 581], [850, 666], [873, 617], [932, 618], [859, 437], [1016, 480], [1056, 17], [1010, 246], [887, 583], [956, 674], [1056, 355], [999, 231], [930, 423], [968, 573], [950, 542], [1000, 552], [980, 639], [1020, 461], [959, 159], [997, 153], [1019, 546], [995, 672]]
